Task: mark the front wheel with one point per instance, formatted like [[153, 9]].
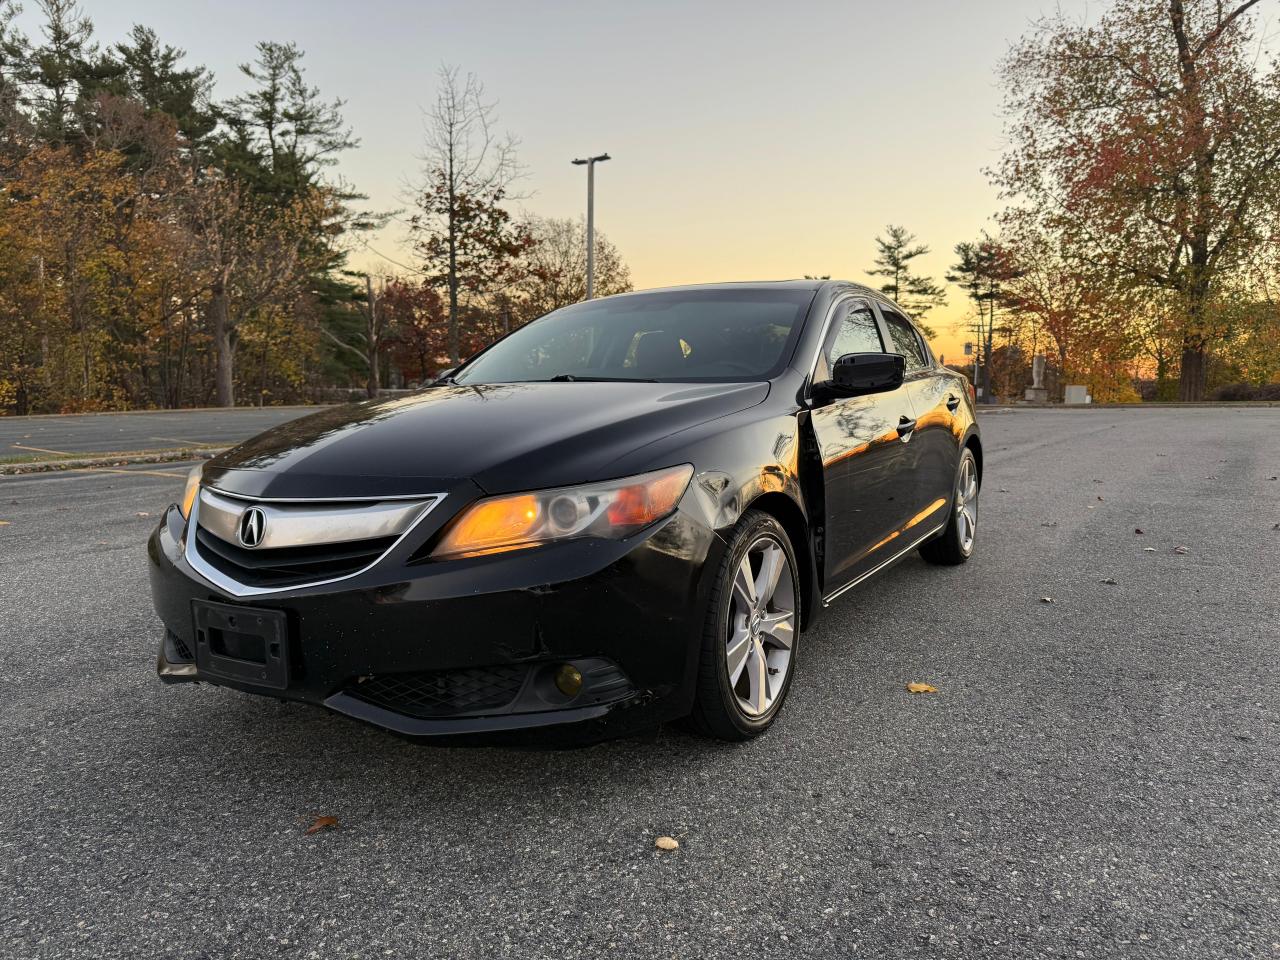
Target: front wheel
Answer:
[[749, 641], [955, 544]]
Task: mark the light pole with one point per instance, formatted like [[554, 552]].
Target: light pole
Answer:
[[591, 218]]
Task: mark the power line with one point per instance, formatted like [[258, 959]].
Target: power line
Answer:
[[403, 266]]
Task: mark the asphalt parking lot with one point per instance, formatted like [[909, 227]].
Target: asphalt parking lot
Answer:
[[90, 433], [1097, 776]]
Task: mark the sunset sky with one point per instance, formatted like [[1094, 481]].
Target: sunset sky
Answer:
[[750, 140]]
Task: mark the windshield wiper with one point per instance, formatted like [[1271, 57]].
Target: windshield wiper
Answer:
[[574, 378]]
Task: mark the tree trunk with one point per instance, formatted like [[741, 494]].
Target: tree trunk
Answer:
[[223, 361], [1191, 383], [373, 386], [454, 340]]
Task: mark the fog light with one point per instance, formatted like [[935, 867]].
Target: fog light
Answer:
[[568, 680]]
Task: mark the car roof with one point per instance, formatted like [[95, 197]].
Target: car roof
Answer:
[[805, 284]]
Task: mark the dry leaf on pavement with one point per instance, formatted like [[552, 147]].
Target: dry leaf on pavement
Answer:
[[322, 823], [1108, 581], [921, 688], [1148, 549], [1137, 531], [1180, 550], [1046, 599], [667, 843]]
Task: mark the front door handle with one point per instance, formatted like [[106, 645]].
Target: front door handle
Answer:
[[905, 427], [953, 403]]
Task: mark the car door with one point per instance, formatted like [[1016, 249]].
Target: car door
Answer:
[[935, 399], [864, 457]]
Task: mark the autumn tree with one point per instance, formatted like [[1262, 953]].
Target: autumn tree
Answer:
[[554, 271], [1149, 141], [982, 269], [468, 243], [915, 293]]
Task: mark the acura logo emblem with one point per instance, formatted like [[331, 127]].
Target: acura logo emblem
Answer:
[[253, 525]]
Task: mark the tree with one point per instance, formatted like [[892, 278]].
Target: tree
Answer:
[[151, 74], [982, 268], [915, 294], [60, 67], [467, 241], [416, 319], [554, 272], [1150, 142]]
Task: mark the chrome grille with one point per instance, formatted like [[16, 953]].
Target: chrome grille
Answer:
[[296, 543]]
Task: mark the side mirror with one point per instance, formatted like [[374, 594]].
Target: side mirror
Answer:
[[856, 374]]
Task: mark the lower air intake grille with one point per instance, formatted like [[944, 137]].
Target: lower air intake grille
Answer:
[[445, 694], [284, 566]]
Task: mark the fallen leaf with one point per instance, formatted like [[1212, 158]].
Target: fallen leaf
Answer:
[[921, 688], [1046, 599], [1099, 498], [1148, 549], [1108, 581], [322, 823], [1137, 531], [142, 514], [667, 843], [1276, 527], [1054, 523], [5, 523], [1180, 550], [1006, 489]]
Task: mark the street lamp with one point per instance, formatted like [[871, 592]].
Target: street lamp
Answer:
[[591, 218]]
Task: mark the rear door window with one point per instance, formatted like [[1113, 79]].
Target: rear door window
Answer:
[[904, 339]]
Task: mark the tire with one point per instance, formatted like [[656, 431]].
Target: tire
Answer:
[[759, 639], [955, 544]]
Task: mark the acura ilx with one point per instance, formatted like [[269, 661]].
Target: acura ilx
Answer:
[[624, 513]]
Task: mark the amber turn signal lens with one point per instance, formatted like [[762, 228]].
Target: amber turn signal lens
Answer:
[[493, 523], [189, 494]]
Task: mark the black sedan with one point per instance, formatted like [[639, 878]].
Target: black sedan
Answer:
[[622, 514]]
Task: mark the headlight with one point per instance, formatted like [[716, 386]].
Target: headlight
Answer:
[[613, 509], [189, 494]]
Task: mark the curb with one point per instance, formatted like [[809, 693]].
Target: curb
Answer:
[[1190, 405], [109, 460]]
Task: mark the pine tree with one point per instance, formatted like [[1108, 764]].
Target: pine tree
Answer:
[[915, 294]]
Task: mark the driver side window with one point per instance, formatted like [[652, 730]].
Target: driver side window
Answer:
[[853, 331]]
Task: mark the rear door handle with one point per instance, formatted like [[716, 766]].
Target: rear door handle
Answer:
[[953, 403], [905, 427]]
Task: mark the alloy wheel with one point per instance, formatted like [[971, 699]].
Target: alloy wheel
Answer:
[[762, 627], [967, 505]]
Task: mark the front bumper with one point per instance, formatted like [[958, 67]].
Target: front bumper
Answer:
[[433, 649]]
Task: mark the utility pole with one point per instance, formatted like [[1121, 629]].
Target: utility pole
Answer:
[[590, 163]]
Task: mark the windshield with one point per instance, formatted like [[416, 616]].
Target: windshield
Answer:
[[695, 335]]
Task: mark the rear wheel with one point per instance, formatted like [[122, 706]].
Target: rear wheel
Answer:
[[955, 544], [748, 644]]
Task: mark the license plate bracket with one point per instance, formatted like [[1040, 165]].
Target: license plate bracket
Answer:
[[247, 644]]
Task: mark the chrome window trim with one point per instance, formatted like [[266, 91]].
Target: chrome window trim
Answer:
[[227, 584]]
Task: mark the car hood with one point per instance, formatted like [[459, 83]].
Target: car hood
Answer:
[[499, 437]]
